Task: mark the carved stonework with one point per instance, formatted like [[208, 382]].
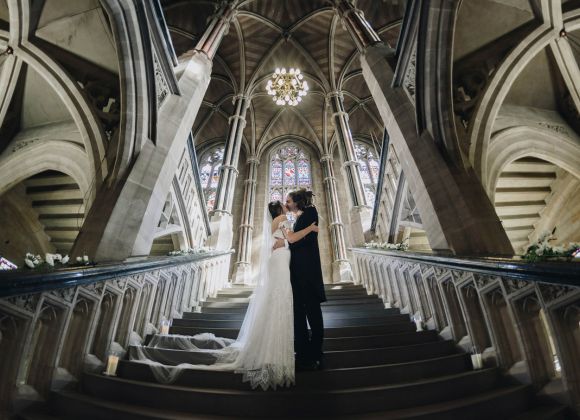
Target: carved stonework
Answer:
[[66, 295], [556, 128], [513, 285], [25, 302], [461, 276], [410, 75], [440, 272], [95, 288], [161, 85], [551, 292]]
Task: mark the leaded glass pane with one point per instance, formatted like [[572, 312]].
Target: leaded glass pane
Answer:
[[289, 173], [374, 165], [364, 173], [276, 173], [210, 164], [303, 173], [215, 177], [289, 169], [276, 195]]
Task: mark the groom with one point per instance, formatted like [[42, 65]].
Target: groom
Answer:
[[307, 284]]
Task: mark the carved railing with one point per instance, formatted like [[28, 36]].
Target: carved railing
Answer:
[[53, 326], [523, 318]]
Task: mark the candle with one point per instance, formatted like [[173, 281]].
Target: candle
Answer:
[[477, 361], [418, 323], [165, 327], [112, 363]]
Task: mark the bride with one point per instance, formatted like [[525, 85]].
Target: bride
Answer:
[[264, 349]]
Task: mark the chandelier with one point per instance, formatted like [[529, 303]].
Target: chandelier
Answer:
[[287, 87]]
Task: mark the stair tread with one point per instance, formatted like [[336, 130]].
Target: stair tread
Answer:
[[297, 391]]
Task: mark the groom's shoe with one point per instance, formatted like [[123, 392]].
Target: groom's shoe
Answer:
[[320, 364], [305, 365]]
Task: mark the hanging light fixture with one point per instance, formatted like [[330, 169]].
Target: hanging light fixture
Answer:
[[287, 87]]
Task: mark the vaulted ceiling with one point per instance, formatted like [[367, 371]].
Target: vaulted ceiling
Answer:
[[265, 35]]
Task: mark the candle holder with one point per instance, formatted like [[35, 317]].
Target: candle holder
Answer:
[[112, 364], [476, 360], [418, 322], [165, 324]]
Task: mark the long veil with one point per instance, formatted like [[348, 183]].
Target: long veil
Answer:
[[246, 354]]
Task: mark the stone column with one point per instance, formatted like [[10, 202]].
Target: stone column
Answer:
[[457, 214], [243, 268], [221, 216], [360, 214], [122, 221], [341, 269]]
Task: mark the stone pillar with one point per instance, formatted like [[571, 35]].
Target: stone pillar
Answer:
[[221, 216], [243, 268], [122, 221], [341, 269], [360, 213], [457, 214]]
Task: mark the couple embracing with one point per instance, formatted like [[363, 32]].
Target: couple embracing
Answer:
[[273, 341]]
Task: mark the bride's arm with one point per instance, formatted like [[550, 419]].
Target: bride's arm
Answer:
[[296, 236]]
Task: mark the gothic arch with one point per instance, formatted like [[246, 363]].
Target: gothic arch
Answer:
[[526, 141]]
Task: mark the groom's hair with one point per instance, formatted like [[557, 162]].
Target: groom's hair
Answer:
[[275, 209], [302, 198]]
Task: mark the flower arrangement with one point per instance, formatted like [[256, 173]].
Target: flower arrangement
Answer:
[[542, 250], [52, 260], [189, 251], [400, 246]]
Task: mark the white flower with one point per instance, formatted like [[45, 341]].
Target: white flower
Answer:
[[57, 257], [79, 259], [64, 259], [29, 263], [49, 259], [86, 258]]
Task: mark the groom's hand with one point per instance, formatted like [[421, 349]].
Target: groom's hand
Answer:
[[278, 244]]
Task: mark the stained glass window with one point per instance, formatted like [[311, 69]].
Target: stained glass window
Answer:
[[289, 170], [369, 169], [210, 164]]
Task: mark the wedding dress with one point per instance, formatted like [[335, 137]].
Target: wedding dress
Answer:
[[264, 349]]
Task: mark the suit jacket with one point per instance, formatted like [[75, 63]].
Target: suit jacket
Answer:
[[305, 267]]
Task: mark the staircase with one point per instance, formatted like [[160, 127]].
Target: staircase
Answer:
[[378, 366], [521, 194], [59, 203]]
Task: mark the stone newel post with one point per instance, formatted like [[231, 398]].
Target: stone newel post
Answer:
[[221, 216], [243, 264], [341, 269], [360, 214]]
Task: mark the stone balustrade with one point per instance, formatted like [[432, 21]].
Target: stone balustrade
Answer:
[[53, 326], [523, 318]]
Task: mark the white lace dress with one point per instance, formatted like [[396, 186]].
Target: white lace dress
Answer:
[[264, 350]]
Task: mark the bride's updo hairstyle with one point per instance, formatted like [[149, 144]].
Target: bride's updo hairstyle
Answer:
[[302, 198], [275, 209]]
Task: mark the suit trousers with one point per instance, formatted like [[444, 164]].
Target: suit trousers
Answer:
[[308, 347]]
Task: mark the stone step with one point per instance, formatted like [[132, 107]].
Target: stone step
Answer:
[[366, 308], [379, 341], [328, 323], [525, 180], [546, 412], [330, 378], [338, 359], [345, 331], [499, 403], [519, 207], [380, 312], [294, 401], [365, 302], [344, 298]]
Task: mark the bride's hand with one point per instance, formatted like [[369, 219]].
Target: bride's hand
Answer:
[[314, 227]]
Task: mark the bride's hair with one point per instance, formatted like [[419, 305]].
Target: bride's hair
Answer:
[[275, 209], [302, 198]]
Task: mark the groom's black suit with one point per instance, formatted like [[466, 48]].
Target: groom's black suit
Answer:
[[307, 290]]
